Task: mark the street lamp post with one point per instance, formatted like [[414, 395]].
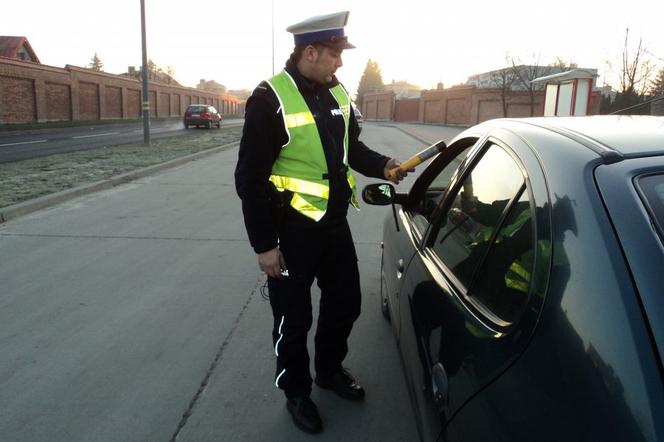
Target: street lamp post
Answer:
[[146, 97]]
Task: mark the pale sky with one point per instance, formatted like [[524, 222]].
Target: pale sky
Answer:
[[422, 42]]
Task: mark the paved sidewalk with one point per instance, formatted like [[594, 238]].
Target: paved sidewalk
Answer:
[[134, 314]]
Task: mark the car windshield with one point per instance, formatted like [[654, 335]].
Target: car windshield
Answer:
[[652, 188], [197, 109]]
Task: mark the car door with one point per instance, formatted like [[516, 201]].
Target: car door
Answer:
[[404, 235], [471, 295]]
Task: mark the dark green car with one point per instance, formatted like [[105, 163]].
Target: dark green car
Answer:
[[524, 277]]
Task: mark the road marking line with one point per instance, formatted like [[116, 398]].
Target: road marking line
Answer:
[[23, 142], [97, 135], [152, 131]]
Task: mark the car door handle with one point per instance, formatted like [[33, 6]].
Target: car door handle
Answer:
[[440, 384], [400, 268]]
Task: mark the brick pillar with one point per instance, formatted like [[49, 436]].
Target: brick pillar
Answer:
[[156, 103], [40, 101], [101, 91], [75, 100], [125, 111]]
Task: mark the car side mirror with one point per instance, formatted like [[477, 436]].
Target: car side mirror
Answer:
[[380, 194]]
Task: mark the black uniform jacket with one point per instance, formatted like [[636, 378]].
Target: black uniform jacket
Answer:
[[264, 135]]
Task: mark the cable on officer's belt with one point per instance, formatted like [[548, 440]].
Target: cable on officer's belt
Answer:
[[264, 291]]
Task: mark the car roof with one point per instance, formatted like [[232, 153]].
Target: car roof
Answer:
[[615, 137]]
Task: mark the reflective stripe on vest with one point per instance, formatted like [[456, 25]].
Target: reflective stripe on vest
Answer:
[[299, 119], [301, 164], [296, 185]]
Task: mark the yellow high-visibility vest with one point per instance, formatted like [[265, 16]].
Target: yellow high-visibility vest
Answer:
[[301, 166]]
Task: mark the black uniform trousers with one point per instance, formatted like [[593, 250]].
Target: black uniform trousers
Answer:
[[325, 251]]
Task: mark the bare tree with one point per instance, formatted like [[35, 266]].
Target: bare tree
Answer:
[[503, 79], [634, 79], [525, 74], [636, 70]]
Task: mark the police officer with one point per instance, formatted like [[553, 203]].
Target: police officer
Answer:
[[299, 143]]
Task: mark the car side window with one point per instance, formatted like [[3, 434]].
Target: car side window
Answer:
[[652, 188], [503, 282], [488, 215], [435, 191]]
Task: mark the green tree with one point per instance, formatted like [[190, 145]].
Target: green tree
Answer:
[[657, 85], [170, 73], [371, 81], [560, 63], [605, 105], [95, 63], [153, 69]]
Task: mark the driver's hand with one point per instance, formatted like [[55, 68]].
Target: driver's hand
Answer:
[[272, 262], [456, 216], [393, 172]]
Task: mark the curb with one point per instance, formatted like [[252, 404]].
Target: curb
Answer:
[[26, 207]]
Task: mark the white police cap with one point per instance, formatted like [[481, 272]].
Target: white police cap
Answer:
[[327, 30]]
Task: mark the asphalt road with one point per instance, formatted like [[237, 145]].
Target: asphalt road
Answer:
[[135, 314], [21, 145]]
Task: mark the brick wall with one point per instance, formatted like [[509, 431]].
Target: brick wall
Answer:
[[113, 102], [431, 110], [59, 98], [88, 95], [152, 98], [164, 103], [133, 108], [32, 92], [407, 109], [378, 106], [175, 104], [463, 105], [17, 99], [468, 105]]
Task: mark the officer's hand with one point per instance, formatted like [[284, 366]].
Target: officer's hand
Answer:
[[272, 262], [395, 173]]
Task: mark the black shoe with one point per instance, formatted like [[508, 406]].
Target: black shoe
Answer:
[[305, 414], [342, 383]]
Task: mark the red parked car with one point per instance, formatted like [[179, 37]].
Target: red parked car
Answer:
[[202, 115]]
